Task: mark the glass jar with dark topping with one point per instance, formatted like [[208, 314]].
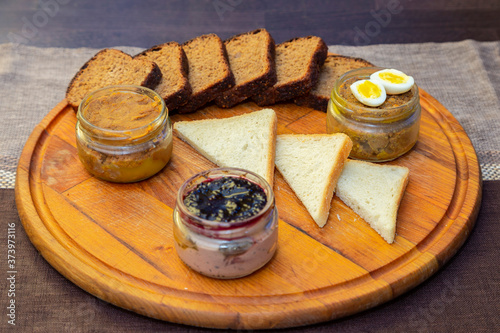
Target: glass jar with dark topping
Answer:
[[380, 133], [225, 223], [123, 133]]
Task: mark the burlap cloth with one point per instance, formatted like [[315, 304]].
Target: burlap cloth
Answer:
[[462, 297]]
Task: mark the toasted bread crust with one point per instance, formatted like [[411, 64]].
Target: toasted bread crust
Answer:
[[317, 99], [314, 102], [251, 86], [287, 90], [80, 86], [174, 96], [200, 97]]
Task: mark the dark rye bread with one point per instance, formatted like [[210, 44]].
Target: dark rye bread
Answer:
[[251, 58], [111, 67], [174, 86], [297, 67], [209, 71], [332, 69]]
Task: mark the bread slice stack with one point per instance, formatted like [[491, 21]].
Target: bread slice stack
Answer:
[[252, 60], [209, 72], [111, 67], [374, 192], [311, 164], [174, 86], [297, 66], [247, 141], [205, 69], [333, 67]]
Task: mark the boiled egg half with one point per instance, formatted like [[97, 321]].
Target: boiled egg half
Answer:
[[395, 82], [369, 92]]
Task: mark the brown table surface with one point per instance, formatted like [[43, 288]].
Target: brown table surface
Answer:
[[464, 296]]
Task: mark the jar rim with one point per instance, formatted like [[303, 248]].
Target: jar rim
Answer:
[[221, 172], [366, 112], [126, 133]]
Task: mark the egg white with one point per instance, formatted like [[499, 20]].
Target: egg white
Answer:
[[372, 100], [394, 88]]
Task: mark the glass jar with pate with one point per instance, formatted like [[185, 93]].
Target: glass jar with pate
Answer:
[[123, 133], [380, 133], [225, 223]]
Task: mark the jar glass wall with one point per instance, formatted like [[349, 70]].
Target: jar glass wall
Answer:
[[123, 133], [378, 133], [231, 249]]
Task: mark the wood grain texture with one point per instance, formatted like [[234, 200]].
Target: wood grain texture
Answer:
[[100, 24], [115, 240]]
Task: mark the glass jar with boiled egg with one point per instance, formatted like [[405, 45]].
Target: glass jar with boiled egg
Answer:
[[379, 109]]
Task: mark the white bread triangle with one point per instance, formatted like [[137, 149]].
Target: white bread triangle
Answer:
[[374, 192], [247, 141], [311, 165]]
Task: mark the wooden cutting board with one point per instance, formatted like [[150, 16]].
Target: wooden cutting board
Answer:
[[115, 240]]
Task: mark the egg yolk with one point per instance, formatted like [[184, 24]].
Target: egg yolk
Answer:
[[369, 89], [393, 78]]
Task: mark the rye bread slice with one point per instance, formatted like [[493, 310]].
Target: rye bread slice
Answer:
[[174, 86], [332, 69], [252, 60], [111, 67], [297, 66], [209, 71]]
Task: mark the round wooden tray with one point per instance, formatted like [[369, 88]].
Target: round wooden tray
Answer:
[[115, 240]]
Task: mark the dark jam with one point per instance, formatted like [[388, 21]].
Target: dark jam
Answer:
[[226, 199]]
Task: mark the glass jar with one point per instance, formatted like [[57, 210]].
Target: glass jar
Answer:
[[123, 133], [378, 133], [225, 250]]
